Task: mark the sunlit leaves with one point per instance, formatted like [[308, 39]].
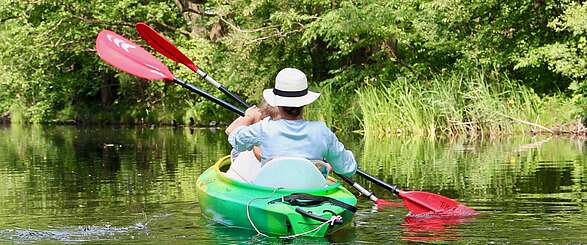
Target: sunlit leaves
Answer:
[[574, 19], [566, 56]]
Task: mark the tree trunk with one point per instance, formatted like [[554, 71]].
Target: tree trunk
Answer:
[[108, 90], [192, 11], [319, 54]]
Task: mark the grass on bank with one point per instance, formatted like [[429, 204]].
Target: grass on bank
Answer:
[[459, 105]]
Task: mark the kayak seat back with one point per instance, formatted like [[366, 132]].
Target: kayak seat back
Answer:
[[290, 173], [244, 166]]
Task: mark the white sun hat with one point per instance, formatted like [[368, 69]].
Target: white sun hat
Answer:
[[291, 90]]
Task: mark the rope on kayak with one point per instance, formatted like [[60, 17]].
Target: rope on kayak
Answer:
[[330, 221]]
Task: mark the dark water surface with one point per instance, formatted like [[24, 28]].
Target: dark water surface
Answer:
[[118, 185]]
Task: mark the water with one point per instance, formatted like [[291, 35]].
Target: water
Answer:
[[129, 185]]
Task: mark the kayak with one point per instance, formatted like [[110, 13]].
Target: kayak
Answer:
[[281, 212]]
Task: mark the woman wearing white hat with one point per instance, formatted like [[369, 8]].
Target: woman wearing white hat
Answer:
[[288, 134]]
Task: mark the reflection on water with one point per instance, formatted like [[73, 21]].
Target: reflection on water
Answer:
[[117, 185], [432, 228], [523, 187]]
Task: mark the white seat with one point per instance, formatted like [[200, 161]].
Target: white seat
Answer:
[[244, 167], [291, 173]]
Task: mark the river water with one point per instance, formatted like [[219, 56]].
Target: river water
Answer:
[[134, 185]]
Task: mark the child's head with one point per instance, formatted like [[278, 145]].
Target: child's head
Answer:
[[268, 111]]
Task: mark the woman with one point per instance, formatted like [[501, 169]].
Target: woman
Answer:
[[288, 134]]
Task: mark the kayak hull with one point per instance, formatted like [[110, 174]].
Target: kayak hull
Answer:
[[238, 204]]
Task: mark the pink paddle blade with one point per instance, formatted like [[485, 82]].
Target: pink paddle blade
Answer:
[[130, 57], [164, 46], [419, 202]]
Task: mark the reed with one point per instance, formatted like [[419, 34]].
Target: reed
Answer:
[[333, 108], [458, 104]]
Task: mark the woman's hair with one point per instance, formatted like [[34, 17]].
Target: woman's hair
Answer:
[[293, 111]]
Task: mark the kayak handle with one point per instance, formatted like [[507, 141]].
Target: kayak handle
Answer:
[[311, 215]]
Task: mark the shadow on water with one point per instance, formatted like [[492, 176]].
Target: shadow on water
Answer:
[[67, 184]]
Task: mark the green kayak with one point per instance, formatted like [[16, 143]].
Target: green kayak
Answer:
[[314, 212]]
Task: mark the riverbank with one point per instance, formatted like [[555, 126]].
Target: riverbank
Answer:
[[383, 115], [473, 105]]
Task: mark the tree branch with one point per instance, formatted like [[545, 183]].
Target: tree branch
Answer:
[[391, 48], [8, 18], [527, 123], [233, 26], [106, 22], [193, 11], [127, 24], [278, 34]]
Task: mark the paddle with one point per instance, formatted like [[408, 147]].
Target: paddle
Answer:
[[365, 192], [419, 202], [166, 48], [131, 58]]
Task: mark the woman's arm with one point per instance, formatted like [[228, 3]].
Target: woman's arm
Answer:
[[252, 115], [342, 160]]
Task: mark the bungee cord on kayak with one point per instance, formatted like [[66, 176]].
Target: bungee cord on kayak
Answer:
[[331, 221]]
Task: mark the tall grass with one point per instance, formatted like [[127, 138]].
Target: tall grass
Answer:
[[457, 104], [333, 108]]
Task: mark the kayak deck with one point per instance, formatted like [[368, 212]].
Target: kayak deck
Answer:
[[244, 205]]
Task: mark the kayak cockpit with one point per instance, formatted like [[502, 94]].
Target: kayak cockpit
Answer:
[[285, 173]]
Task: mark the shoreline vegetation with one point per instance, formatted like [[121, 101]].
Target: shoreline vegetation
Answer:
[[443, 108], [384, 68], [471, 106]]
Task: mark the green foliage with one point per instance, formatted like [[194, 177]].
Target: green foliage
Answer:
[[48, 48], [565, 56], [343, 46]]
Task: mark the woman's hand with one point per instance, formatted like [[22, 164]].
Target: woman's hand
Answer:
[[253, 113]]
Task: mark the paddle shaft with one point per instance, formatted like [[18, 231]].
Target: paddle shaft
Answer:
[[208, 96], [166, 48], [359, 188], [219, 86], [379, 182]]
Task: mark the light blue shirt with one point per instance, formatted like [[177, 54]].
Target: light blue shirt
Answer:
[[294, 138]]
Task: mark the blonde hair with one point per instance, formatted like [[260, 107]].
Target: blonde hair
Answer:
[[268, 110]]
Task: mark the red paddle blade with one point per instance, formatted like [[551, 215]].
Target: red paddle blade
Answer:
[[164, 46], [426, 203], [130, 57]]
